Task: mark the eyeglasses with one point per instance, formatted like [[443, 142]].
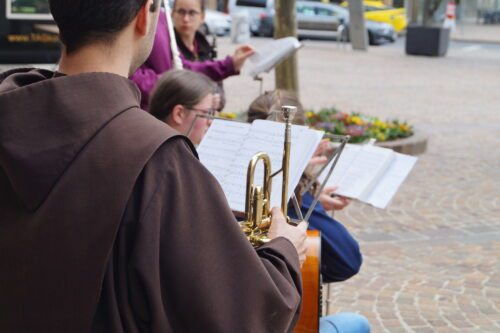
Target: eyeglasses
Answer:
[[191, 13], [206, 113]]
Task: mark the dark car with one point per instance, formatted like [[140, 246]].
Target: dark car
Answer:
[[319, 20]]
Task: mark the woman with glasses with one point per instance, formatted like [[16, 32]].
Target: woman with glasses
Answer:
[[161, 60], [185, 101], [188, 16]]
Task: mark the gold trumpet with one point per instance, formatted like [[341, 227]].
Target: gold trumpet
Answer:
[[258, 198]]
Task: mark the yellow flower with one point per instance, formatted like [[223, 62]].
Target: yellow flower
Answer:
[[309, 114], [227, 115], [356, 120], [404, 128], [380, 124], [381, 137]]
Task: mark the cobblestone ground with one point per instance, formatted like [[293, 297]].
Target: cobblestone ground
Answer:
[[431, 259]]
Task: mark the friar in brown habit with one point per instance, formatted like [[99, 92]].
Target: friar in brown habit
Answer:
[[108, 222]]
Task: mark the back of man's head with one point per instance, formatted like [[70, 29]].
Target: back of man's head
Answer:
[[82, 22]]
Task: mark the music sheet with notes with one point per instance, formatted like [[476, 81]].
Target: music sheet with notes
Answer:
[[369, 174], [228, 147]]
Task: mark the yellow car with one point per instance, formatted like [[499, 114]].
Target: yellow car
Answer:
[[379, 12]]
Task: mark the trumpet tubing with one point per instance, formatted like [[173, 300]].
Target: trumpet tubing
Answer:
[[258, 198]]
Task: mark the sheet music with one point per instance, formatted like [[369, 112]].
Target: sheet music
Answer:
[[348, 155], [270, 55], [365, 170], [220, 144], [240, 142], [390, 182], [370, 174]]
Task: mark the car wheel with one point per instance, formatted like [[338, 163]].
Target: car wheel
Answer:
[[371, 39], [394, 37]]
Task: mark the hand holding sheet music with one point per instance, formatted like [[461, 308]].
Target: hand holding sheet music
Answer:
[[270, 55]]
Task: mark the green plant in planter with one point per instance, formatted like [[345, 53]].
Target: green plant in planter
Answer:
[[360, 127]]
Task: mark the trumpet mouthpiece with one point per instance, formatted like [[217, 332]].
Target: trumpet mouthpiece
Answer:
[[288, 112]]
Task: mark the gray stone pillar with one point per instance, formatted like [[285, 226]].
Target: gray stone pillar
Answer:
[[211, 4], [286, 73], [357, 27]]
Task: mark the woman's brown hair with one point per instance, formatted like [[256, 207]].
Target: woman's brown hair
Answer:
[[264, 106], [201, 2], [179, 87]]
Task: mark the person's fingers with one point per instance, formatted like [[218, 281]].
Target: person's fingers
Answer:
[[247, 54], [330, 189], [244, 51], [345, 201], [318, 160], [246, 48], [277, 214]]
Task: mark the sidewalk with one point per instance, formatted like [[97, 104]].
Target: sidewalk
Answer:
[[471, 32]]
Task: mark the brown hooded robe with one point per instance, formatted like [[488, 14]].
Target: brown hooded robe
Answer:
[[109, 223]]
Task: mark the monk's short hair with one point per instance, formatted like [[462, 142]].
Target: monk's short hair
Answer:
[[82, 22]]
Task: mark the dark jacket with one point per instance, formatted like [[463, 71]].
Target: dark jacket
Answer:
[[109, 223], [204, 51], [340, 254]]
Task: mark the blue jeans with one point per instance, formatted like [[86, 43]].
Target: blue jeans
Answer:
[[344, 322]]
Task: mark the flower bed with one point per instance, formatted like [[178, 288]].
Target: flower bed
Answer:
[[360, 127]]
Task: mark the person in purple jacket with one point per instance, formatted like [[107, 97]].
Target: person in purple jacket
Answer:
[[160, 61]]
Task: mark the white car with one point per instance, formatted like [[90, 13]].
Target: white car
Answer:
[[216, 23]]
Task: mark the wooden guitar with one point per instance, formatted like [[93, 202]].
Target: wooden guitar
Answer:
[[311, 287]]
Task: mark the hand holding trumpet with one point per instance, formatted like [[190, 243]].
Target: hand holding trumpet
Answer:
[[297, 235]]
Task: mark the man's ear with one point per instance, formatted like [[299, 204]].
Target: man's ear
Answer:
[[177, 115], [144, 17]]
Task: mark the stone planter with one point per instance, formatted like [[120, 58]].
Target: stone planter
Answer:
[[413, 145], [428, 41]]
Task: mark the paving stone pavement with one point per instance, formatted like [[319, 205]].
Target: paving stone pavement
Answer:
[[431, 259]]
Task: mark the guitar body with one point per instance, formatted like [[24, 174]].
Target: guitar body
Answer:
[[311, 293]]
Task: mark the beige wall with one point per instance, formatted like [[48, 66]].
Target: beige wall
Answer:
[[211, 4]]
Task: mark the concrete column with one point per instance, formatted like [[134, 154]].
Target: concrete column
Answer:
[[412, 10], [285, 23], [357, 27], [211, 4]]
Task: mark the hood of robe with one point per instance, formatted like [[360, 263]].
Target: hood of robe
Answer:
[[36, 148]]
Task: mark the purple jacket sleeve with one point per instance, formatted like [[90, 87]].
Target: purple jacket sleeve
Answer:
[[160, 61], [217, 70]]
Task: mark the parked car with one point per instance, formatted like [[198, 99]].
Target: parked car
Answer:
[[320, 20], [216, 23], [379, 12], [254, 8]]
